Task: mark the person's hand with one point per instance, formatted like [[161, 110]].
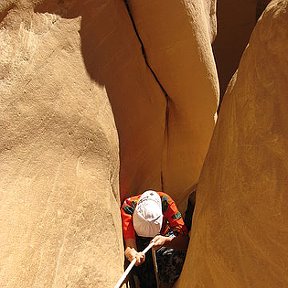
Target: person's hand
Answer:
[[160, 241], [132, 253], [140, 258]]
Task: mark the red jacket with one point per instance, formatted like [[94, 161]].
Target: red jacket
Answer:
[[172, 220]]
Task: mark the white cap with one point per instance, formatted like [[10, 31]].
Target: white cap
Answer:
[[147, 216]]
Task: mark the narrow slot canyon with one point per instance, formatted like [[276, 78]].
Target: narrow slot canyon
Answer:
[[101, 100]]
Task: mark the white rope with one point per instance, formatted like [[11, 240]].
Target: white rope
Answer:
[[126, 272]]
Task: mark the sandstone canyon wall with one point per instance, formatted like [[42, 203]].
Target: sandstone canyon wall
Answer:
[[239, 236], [60, 222], [176, 38], [161, 80], [59, 166]]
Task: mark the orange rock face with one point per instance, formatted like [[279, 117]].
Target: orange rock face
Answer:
[[60, 220], [176, 39], [240, 227], [59, 164], [75, 75], [161, 83]]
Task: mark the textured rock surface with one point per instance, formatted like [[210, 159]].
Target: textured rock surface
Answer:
[[113, 57], [59, 165], [58, 160], [163, 138], [179, 52], [240, 227]]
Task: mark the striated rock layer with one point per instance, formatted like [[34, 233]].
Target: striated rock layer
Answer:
[[240, 234], [59, 166]]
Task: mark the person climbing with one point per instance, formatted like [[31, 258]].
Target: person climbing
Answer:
[[153, 216]]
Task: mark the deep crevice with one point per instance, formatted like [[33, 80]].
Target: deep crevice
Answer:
[[156, 79], [143, 49]]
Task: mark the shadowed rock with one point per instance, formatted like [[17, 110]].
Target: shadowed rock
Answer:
[[59, 166]]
